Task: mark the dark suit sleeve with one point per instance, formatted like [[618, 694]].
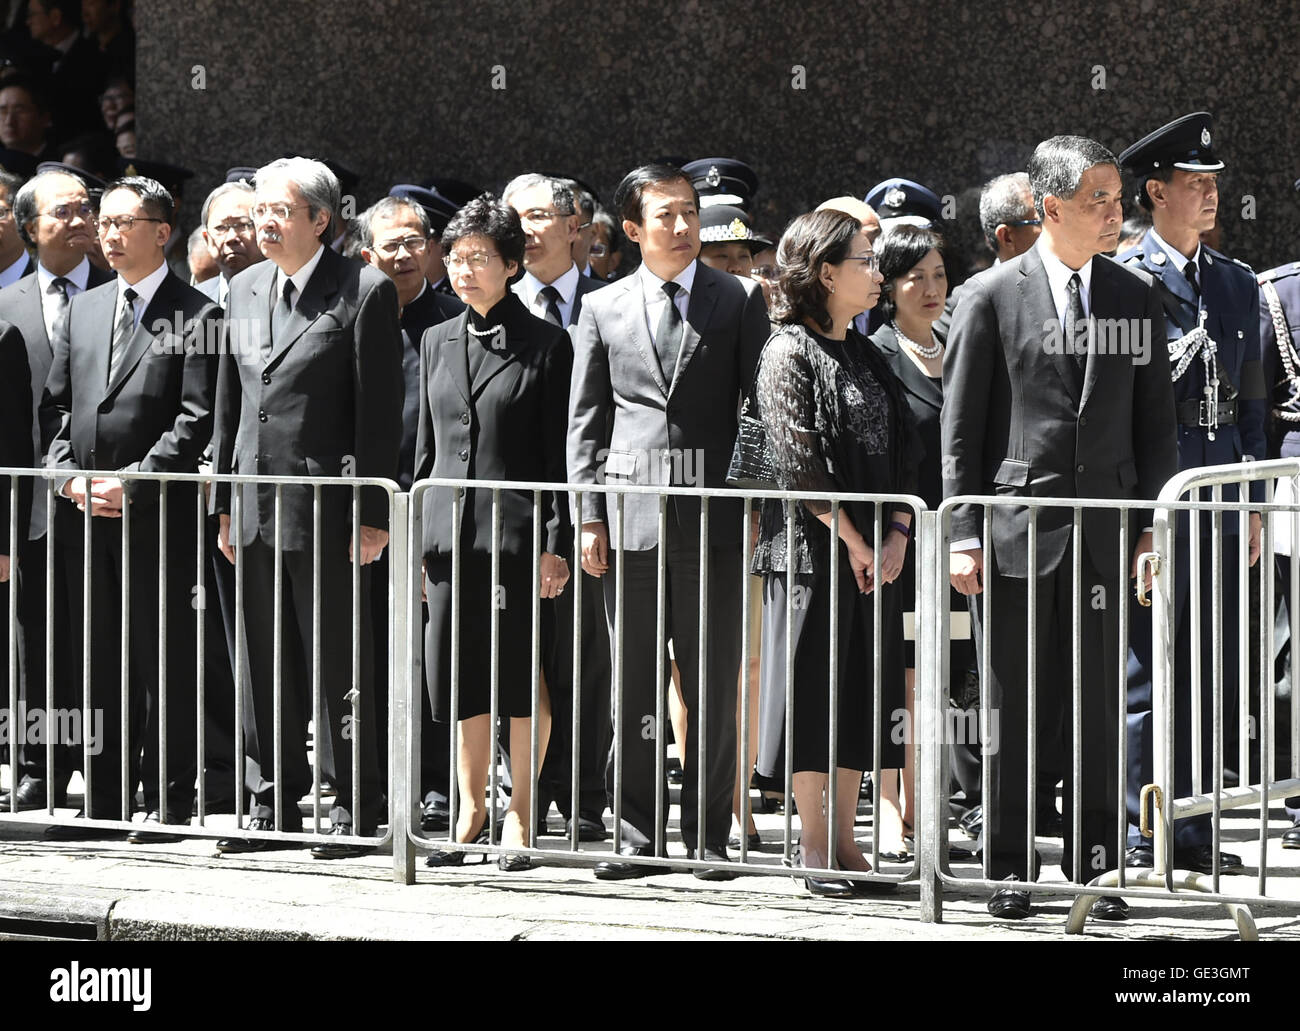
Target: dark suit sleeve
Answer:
[[558, 371], [225, 423], [1253, 405], [377, 358], [179, 449], [968, 365], [15, 430], [755, 328], [1155, 423], [425, 452], [591, 400]]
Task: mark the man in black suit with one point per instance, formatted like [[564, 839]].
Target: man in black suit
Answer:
[[395, 234], [131, 387], [311, 384], [660, 361], [552, 287], [16, 452], [1041, 401], [15, 262], [53, 212]]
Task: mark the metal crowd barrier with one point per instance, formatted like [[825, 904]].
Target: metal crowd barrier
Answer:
[[744, 860], [203, 825], [1162, 881]]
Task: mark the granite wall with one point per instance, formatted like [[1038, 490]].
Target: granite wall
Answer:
[[821, 98]]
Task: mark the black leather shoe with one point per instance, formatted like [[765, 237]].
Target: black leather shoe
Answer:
[[1050, 825], [972, 824], [715, 854], [589, 828], [828, 888], [236, 846], [31, 795], [69, 832], [149, 833], [446, 857], [339, 849], [1009, 904], [1201, 859], [755, 841], [1110, 907], [1139, 857], [435, 816], [614, 870], [676, 776], [1291, 839], [514, 863]]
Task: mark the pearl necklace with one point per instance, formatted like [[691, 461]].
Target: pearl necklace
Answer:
[[933, 351], [497, 334]]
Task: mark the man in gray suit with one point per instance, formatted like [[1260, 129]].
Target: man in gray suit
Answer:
[[311, 384], [54, 213], [552, 287], [660, 362]]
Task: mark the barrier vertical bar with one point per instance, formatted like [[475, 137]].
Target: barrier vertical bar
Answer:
[[317, 710], [1031, 689], [618, 680], [162, 648], [1217, 615], [494, 688], [789, 678], [932, 571], [404, 668], [240, 666], [124, 644], [745, 760], [832, 710], [277, 659], [661, 673], [354, 695], [1121, 701], [702, 689], [200, 641], [1076, 695], [534, 675], [575, 733]]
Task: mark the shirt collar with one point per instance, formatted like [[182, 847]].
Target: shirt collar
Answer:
[[1180, 260], [654, 285], [1059, 273], [567, 285], [144, 289], [78, 277], [301, 278], [15, 271]]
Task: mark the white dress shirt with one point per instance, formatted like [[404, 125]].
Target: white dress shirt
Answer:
[[144, 290], [566, 285], [655, 298], [77, 279], [1058, 279], [299, 278]]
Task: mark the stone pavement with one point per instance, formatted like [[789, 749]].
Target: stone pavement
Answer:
[[186, 891]]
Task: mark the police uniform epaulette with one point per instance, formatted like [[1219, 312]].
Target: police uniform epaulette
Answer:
[[1281, 272]]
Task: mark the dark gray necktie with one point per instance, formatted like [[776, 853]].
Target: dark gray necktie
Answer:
[[1189, 270], [1076, 322], [282, 311], [122, 331], [59, 295], [668, 338], [552, 298]]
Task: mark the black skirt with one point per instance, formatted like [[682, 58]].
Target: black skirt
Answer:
[[512, 599]]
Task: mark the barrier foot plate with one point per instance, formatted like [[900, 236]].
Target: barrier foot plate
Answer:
[[1183, 880]]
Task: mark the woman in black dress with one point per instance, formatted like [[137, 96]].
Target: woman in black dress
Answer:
[[493, 407], [915, 289], [836, 422]]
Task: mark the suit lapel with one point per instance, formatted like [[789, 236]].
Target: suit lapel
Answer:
[[454, 358], [1105, 308], [699, 307], [636, 330], [315, 300], [102, 345], [142, 337], [1040, 310]]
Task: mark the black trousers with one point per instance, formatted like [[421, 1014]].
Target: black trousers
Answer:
[[338, 733], [556, 779], [1006, 813], [138, 738], [218, 760], [637, 725], [32, 587]]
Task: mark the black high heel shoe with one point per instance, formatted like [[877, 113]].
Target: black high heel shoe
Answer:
[[825, 887], [771, 792], [441, 858]]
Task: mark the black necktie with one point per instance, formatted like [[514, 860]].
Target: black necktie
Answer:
[[1189, 270], [122, 331], [59, 295], [668, 339], [552, 298], [1076, 322], [283, 309]]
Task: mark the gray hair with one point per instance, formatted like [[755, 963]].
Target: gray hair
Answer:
[[24, 204], [386, 207], [1002, 201], [241, 186], [1058, 164], [197, 239], [561, 190], [317, 184]]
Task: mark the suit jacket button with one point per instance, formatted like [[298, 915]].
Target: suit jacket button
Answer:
[[261, 415], [1083, 420], [464, 454], [464, 418], [1078, 469], [266, 377]]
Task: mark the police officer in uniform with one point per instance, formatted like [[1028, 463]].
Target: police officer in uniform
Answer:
[[1211, 309], [1279, 337]]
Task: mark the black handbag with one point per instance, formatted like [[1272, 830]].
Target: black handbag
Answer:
[[751, 463]]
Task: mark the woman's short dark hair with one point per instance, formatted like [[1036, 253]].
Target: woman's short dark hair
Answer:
[[898, 250], [808, 241], [487, 216]]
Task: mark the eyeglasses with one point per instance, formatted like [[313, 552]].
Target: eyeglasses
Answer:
[[122, 223], [537, 216], [67, 212], [598, 250], [763, 272], [240, 227], [871, 262], [478, 261], [1025, 222], [413, 244], [279, 212]]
